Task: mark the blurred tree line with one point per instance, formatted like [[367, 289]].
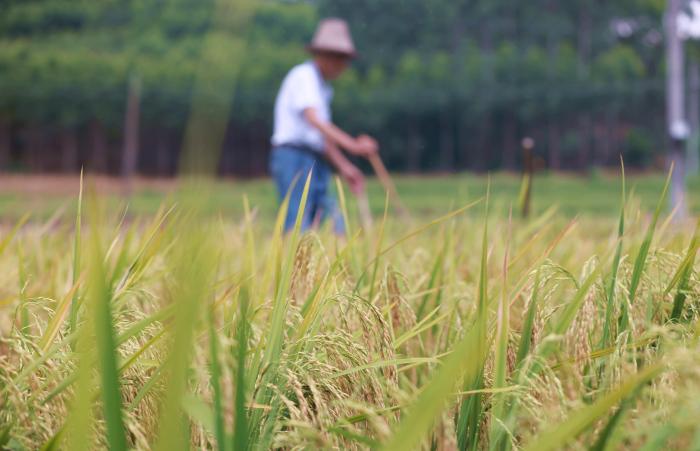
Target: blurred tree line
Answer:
[[444, 84]]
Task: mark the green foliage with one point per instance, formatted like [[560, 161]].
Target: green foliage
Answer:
[[618, 64], [438, 73], [638, 147]]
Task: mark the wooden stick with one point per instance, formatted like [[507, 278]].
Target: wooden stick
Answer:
[[385, 179], [528, 172], [365, 213]]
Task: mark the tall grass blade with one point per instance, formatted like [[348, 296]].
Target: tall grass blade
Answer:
[[271, 271], [101, 318], [470, 410], [682, 277], [57, 319], [464, 362], [53, 444], [606, 435], [559, 435], [526, 333], [566, 318], [659, 440], [79, 426], [5, 435], [252, 261], [274, 346], [201, 413], [215, 380], [501, 356], [641, 259], [7, 239], [427, 226], [76, 255], [435, 277], [22, 290], [273, 349], [610, 293], [240, 420], [380, 240], [156, 377], [193, 267], [349, 227]]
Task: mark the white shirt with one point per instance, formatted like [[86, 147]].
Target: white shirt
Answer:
[[302, 88]]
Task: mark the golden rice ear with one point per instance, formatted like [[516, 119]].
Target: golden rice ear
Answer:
[[474, 330]]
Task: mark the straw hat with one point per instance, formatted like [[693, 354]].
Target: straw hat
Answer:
[[333, 35]]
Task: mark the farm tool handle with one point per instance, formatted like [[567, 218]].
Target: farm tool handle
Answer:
[[363, 207], [385, 179]]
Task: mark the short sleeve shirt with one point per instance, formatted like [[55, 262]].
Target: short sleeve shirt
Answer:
[[302, 88]]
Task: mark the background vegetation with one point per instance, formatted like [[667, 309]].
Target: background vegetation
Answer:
[[445, 85]]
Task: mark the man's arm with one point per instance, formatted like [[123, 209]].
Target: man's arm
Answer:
[[362, 146], [345, 168]]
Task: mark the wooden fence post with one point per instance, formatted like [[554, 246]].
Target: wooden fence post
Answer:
[[528, 145]]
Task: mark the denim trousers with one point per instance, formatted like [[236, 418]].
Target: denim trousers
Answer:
[[290, 167]]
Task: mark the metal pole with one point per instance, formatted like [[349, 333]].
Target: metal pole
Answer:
[[677, 125], [693, 147]]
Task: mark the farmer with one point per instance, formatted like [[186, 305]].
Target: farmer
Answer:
[[305, 138]]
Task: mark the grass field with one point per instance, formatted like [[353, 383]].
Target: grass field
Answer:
[[194, 323], [426, 197]]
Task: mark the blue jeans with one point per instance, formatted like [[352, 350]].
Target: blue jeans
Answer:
[[290, 167]]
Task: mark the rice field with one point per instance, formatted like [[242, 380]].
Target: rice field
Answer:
[[468, 329]]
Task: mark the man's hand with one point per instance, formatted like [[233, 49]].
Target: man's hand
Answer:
[[362, 146], [354, 178], [365, 146]]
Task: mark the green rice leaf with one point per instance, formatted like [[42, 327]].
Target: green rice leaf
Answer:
[[559, 435], [215, 380], [610, 294], [682, 277], [240, 421], [465, 362], [641, 259], [102, 320], [76, 255], [526, 333]]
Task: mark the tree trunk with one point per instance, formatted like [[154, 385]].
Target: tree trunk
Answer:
[[98, 147], [413, 152], [34, 149], [163, 157], [264, 145], [69, 150], [584, 127], [481, 156], [446, 162], [5, 145], [510, 143], [615, 137], [554, 145], [131, 130], [604, 138], [463, 144]]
